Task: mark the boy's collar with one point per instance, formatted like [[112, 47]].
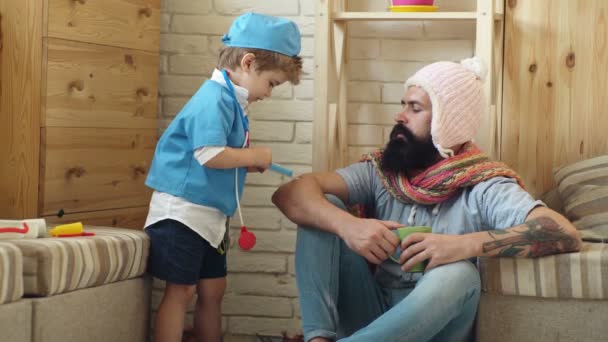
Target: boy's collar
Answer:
[[242, 94]]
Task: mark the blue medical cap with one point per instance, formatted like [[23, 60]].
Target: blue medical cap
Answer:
[[258, 31]]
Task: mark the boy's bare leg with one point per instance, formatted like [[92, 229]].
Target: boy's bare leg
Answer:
[[171, 314], [208, 312]]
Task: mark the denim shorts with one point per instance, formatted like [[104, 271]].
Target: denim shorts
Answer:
[[180, 256]]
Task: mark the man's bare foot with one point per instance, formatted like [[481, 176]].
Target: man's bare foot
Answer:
[[320, 339]]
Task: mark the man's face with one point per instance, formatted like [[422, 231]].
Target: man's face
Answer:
[[410, 145]]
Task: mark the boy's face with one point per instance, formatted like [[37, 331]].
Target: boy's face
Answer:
[[260, 84]]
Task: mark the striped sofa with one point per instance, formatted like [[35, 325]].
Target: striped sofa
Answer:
[[555, 298], [14, 312], [75, 289], [561, 297]]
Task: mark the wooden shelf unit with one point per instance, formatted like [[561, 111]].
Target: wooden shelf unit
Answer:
[[330, 126]]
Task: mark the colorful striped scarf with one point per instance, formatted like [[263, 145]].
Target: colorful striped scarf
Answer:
[[444, 179]]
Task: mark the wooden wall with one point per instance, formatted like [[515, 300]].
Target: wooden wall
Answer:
[[555, 91], [20, 78]]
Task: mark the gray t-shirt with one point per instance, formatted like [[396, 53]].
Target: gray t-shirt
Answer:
[[497, 203]]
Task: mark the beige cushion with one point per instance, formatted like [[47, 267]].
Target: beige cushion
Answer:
[[582, 275], [116, 312], [532, 319], [11, 268], [58, 265], [16, 321], [583, 188]]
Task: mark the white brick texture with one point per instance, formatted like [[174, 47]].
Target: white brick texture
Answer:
[[235, 305], [264, 326], [281, 8], [174, 43], [364, 92], [261, 297], [188, 6], [262, 285], [239, 261]]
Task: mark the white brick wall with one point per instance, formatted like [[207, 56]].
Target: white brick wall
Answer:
[[382, 55], [261, 297]]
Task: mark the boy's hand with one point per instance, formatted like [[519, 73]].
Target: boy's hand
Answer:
[[255, 169], [262, 157]]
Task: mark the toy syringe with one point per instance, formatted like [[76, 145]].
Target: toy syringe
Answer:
[[282, 170]]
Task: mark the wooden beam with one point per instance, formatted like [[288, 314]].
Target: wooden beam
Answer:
[[21, 69], [320, 155], [484, 50], [396, 16]]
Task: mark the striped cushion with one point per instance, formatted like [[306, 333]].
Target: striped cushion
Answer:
[[583, 188], [58, 265], [582, 275], [11, 268]]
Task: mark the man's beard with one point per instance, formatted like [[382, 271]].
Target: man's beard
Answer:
[[407, 152]]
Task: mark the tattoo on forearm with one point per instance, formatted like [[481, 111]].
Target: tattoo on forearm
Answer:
[[535, 238]]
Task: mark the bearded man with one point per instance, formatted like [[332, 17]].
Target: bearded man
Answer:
[[429, 174]]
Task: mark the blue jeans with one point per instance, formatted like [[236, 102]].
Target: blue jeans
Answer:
[[341, 300]]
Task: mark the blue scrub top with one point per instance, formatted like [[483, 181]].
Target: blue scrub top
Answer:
[[210, 118]]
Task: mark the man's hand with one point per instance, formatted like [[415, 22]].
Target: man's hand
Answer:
[[439, 249], [372, 239]]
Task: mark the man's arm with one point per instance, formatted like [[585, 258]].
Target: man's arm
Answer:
[[544, 232], [303, 202]]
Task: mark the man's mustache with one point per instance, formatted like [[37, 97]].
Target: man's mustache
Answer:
[[400, 129]]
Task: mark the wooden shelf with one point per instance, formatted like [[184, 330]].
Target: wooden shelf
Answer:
[[388, 16], [330, 119]]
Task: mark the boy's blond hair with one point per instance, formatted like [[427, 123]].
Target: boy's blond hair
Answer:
[[265, 60]]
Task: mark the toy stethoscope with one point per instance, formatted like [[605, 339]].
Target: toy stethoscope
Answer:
[[247, 238]]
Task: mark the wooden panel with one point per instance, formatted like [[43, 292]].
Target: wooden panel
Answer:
[[95, 169], [92, 85], [20, 74], [133, 218], [486, 134], [555, 108], [320, 151], [499, 30], [127, 23], [386, 16]]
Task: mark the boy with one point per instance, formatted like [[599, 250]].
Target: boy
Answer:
[[199, 169]]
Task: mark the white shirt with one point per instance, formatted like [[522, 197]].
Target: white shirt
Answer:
[[208, 222]]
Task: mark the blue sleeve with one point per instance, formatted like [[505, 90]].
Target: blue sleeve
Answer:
[[360, 182], [210, 120], [502, 203]]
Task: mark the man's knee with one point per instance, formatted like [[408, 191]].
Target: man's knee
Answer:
[[336, 201], [461, 275], [305, 233], [309, 239], [463, 272]]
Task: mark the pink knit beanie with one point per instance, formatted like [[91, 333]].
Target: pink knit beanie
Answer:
[[456, 94]]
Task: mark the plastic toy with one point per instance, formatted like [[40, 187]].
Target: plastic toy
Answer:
[[280, 169], [247, 239], [69, 230], [17, 229]]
